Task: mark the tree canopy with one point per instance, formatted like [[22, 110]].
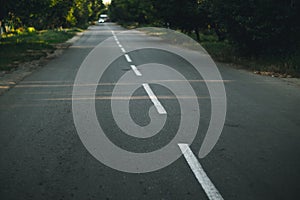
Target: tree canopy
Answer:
[[253, 25], [43, 14]]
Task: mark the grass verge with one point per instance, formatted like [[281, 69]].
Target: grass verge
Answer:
[[26, 46], [285, 65]]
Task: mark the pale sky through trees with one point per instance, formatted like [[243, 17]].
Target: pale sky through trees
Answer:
[[106, 1]]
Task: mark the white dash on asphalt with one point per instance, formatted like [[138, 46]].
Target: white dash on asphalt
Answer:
[[128, 58], [209, 188], [160, 109], [136, 71], [123, 50], [120, 45]]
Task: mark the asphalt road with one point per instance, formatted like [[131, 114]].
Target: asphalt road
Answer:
[[42, 156]]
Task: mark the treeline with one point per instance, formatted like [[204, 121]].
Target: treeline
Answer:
[[253, 26], [45, 14]]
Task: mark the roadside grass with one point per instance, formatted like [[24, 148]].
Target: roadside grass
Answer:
[[23, 46], [285, 65]]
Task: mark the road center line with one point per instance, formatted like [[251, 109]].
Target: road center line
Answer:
[[119, 44], [123, 50], [136, 71], [128, 58], [209, 188], [160, 109]]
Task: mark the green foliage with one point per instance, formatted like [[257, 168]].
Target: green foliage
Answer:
[[48, 14], [255, 27], [244, 28], [259, 27], [71, 19], [142, 12], [30, 45], [31, 29]]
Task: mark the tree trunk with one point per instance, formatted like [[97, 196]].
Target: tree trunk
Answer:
[[197, 34]]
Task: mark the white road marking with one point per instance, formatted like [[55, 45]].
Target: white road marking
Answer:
[[119, 44], [136, 71], [128, 58], [160, 109], [209, 188], [123, 50]]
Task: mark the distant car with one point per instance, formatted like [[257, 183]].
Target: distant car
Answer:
[[103, 18]]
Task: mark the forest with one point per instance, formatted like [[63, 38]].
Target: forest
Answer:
[[266, 30], [254, 26], [48, 14]]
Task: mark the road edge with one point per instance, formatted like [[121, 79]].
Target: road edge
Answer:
[[12, 78]]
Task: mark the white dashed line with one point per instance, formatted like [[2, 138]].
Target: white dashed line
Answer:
[[120, 45], [160, 109], [209, 188], [128, 58], [123, 50], [136, 71]]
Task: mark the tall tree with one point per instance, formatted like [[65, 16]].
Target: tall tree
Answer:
[[269, 26]]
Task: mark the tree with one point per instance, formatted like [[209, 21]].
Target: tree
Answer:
[[50, 13], [142, 12], [97, 8], [255, 26]]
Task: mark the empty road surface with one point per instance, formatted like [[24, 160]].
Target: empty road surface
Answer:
[[43, 154]]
